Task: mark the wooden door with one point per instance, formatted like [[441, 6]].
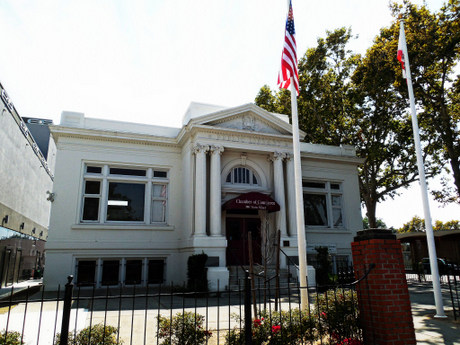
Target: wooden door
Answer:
[[237, 230]]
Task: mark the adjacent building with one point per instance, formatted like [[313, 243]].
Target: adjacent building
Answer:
[[25, 193], [134, 201]]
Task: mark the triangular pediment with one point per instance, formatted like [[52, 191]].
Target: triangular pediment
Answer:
[[248, 117]]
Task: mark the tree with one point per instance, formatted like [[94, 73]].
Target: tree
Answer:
[[433, 41], [384, 130], [417, 224], [450, 225], [342, 102], [362, 101], [380, 223]]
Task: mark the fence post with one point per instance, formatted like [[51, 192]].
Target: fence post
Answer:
[[383, 297], [66, 311], [247, 310]]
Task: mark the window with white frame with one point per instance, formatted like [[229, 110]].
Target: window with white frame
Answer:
[[323, 203], [242, 175], [124, 194]]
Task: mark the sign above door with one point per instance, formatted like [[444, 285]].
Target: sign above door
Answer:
[[252, 201]]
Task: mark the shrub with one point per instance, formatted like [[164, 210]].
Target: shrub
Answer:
[[335, 323], [10, 338], [197, 273], [350, 341], [338, 315], [324, 268], [183, 329], [94, 335], [283, 327]]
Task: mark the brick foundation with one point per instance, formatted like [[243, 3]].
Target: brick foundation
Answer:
[[384, 301]]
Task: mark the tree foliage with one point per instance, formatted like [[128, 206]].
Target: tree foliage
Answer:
[[380, 223], [338, 104], [417, 224], [433, 41], [362, 101]]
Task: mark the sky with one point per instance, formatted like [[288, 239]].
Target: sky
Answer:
[[145, 60]]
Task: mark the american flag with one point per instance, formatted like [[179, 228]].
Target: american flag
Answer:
[[289, 56]]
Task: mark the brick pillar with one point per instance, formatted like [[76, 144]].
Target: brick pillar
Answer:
[[383, 297]]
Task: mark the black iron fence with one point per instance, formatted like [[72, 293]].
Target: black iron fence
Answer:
[[450, 282], [172, 315]]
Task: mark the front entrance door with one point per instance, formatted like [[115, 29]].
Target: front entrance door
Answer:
[[237, 230]]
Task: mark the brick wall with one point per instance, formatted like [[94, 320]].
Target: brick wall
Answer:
[[383, 297]]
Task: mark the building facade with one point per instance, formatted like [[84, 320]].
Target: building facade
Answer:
[[133, 202], [26, 177]]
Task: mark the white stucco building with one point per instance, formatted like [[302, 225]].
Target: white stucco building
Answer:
[[133, 201], [25, 178]]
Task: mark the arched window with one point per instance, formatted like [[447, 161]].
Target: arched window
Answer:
[[242, 175]]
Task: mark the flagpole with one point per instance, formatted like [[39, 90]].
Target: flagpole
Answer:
[[300, 221], [423, 187]]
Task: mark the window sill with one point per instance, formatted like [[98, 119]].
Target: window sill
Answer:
[[98, 226]]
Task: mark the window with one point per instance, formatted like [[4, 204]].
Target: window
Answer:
[[86, 272], [323, 204], [242, 175], [122, 194], [91, 200], [110, 272], [159, 203], [126, 271], [133, 272], [126, 201], [156, 271]]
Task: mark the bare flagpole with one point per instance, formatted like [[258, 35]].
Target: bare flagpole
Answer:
[[423, 187]]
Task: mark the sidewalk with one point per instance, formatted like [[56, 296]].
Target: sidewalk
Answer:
[[428, 329], [33, 284]]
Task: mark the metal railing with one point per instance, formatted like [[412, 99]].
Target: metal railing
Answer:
[[450, 283], [150, 315]]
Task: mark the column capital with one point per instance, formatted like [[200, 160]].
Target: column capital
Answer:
[[216, 149], [288, 156], [276, 156], [197, 148]]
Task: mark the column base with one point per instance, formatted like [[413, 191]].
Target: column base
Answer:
[[218, 278]]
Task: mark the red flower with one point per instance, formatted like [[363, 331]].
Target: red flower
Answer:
[[257, 322], [350, 341], [276, 329]]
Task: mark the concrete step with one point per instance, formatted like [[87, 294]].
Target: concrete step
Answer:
[[237, 274]]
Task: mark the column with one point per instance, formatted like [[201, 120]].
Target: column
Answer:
[[291, 204], [279, 191], [200, 189], [215, 207]]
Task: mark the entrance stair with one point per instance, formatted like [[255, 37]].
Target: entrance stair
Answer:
[[237, 274]]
